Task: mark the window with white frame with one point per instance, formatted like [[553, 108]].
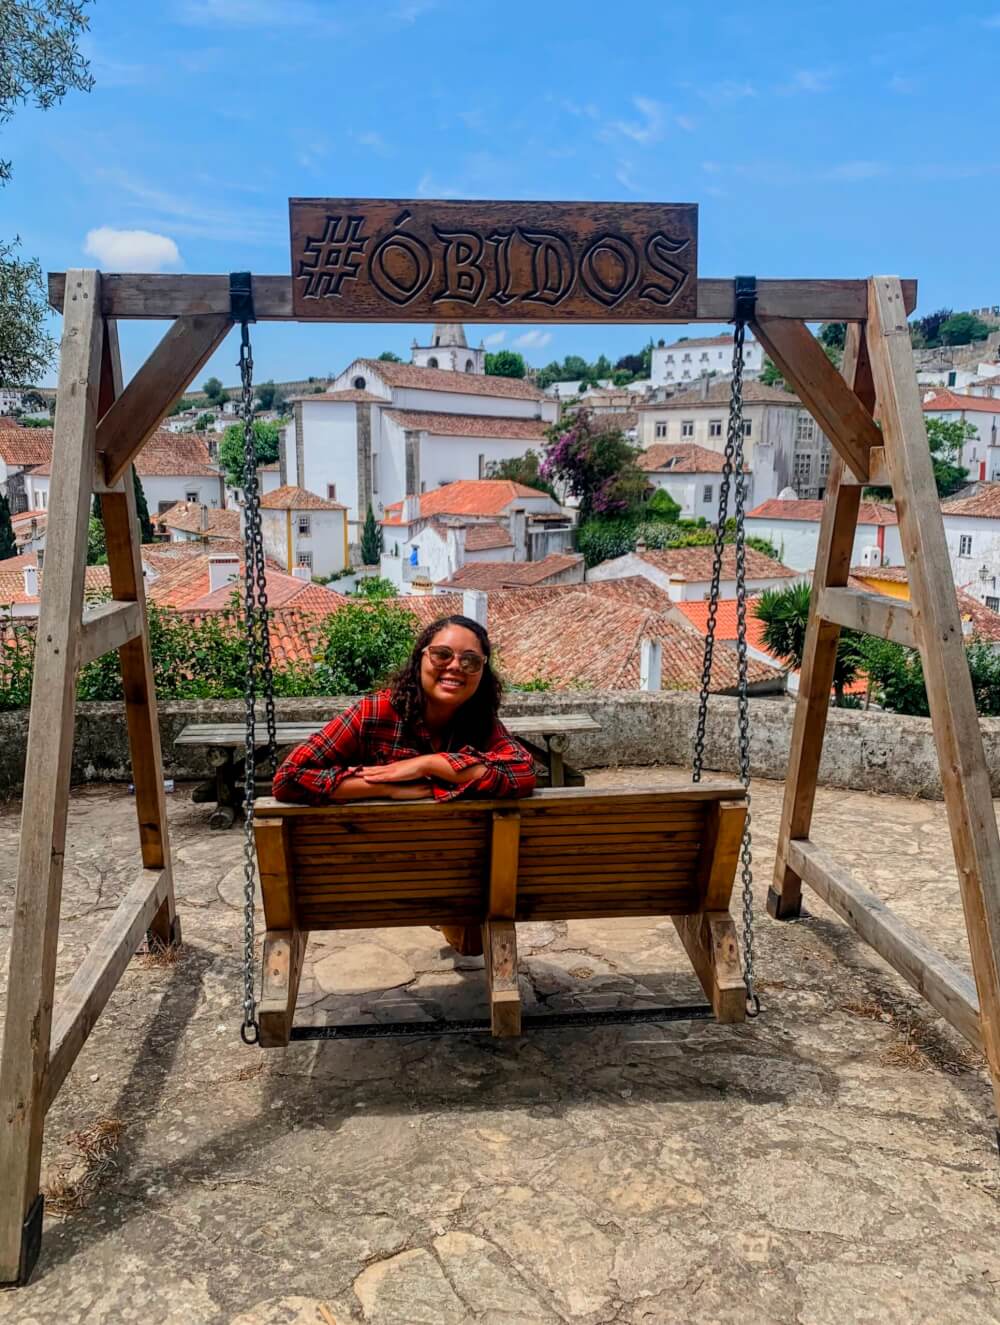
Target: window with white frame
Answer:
[[715, 427], [304, 525], [686, 358], [748, 427], [670, 358], [703, 357], [965, 545], [661, 430], [707, 491], [802, 467], [993, 603], [687, 427], [331, 492], [824, 464], [805, 428], [191, 496], [306, 559]]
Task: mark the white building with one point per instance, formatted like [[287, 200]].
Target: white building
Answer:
[[981, 453], [192, 522], [791, 526], [386, 430], [686, 573], [697, 356], [449, 351], [11, 399], [429, 538], [691, 474], [783, 446], [972, 532], [21, 451], [301, 529]]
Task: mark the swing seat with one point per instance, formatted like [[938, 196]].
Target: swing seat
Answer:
[[561, 854]]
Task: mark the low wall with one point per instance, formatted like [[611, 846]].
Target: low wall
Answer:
[[865, 751]]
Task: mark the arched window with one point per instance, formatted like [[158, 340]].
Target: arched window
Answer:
[[432, 362], [469, 366], [359, 384]]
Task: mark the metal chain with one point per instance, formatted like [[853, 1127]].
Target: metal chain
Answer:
[[733, 479], [258, 670]]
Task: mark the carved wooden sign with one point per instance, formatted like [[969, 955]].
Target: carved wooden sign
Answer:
[[382, 260]]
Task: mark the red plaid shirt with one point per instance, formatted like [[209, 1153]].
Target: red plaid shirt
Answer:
[[371, 732]]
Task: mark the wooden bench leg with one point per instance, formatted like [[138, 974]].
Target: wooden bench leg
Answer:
[[710, 940], [284, 950], [500, 949]]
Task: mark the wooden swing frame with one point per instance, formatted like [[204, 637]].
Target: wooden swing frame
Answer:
[[101, 426]]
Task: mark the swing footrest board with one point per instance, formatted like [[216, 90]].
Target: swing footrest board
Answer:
[[541, 1021], [483, 866]]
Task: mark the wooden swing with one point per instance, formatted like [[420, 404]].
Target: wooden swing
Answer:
[[429, 261]]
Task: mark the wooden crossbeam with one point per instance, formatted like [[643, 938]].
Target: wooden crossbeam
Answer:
[[947, 989], [871, 613], [168, 296], [829, 399], [162, 379], [108, 626], [79, 1007]]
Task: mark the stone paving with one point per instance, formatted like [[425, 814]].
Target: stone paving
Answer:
[[833, 1162]]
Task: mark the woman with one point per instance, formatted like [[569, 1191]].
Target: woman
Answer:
[[433, 732]]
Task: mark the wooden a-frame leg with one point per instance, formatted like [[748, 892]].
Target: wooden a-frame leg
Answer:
[[819, 658], [35, 932], [499, 935], [125, 567], [284, 942], [964, 775]]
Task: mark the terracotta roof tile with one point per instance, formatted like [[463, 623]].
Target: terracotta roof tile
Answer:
[[96, 580], [292, 498], [25, 446], [695, 563], [778, 508], [984, 503], [486, 537], [505, 574], [442, 379], [472, 496], [754, 393], [190, 517], [681, 458], [945, 400], [347, 396], [187, 587], [440, 424]]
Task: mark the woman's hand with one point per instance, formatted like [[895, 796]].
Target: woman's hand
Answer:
[[403, 770]]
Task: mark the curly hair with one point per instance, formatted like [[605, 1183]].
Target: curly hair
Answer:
[[474, 721]]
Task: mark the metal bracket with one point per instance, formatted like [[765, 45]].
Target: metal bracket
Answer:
[[241, 307], [746, 299]]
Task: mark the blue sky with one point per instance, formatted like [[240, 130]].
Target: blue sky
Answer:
[[820, 139]]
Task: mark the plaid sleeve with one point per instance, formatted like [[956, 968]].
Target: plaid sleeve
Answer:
[[315, 769], [509, 770]]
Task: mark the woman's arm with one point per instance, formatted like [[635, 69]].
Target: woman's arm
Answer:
[[504, 768], [315, 771]]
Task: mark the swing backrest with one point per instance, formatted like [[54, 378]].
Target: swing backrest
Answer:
[[563, 853]]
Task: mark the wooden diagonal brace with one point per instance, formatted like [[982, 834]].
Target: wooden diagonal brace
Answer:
[[166, 374], [836, 408]]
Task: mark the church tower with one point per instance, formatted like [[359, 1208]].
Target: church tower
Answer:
[[449, 350]]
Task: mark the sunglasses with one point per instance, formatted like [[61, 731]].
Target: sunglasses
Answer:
[[440, 656]]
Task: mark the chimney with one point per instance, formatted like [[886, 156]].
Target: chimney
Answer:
[[31, 581], [474, 603], [640, 544], [411, 509], [204, 519], [223, 569], [703, 385], [303, 573], [518, 523], [456, 546], [650, 664]]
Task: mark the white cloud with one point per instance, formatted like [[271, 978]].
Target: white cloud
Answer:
[[855, 170], [131, 250], [185, 216], [495, 338], [373, 139], [809, 80], [532, 340], [650, 128], [583, 110], [686, 122], [626, 177], [429, 187]]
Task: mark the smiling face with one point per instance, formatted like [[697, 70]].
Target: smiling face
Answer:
[[448, 687]]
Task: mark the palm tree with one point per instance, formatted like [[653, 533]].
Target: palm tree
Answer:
[[785, 614]]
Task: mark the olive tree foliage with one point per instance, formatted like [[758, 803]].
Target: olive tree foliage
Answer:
[[39, 63]]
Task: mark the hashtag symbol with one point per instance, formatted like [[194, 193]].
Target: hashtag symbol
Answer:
[[334, 257]]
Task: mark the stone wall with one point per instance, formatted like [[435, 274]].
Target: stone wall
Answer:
[[865, 751]]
